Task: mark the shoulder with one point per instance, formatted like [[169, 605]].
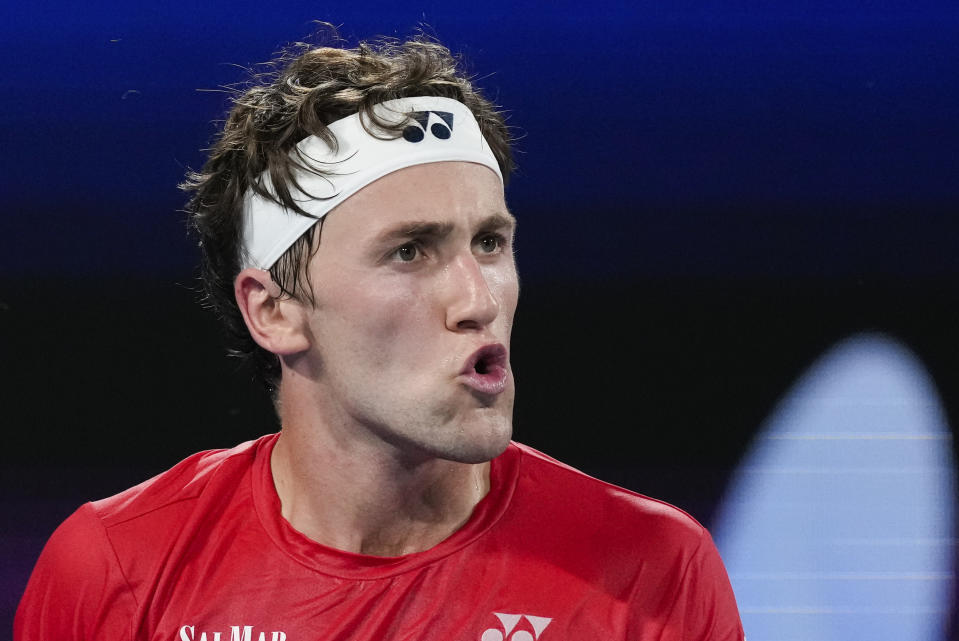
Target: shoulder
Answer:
[[182, 484], [145, 524], [92, 573], [76, 588], [571, 497], [70, 549], [652, 555]]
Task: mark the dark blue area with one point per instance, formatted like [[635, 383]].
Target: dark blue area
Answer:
[[719, 138]]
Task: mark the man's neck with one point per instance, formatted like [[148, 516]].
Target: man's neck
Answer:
[[362, 497]]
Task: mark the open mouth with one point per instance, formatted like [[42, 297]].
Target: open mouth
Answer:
[[486, 360], [486, 369], [481, 366]]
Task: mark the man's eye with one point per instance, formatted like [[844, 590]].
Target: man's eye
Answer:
[[490, 244], [407, 253]]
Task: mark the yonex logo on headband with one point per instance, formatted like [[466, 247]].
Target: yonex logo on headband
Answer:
[[327, 176], [414, 133]]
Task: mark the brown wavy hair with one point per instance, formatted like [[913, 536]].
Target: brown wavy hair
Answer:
[[304, 89]]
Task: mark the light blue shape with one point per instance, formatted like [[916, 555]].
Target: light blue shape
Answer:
[[839, 524]]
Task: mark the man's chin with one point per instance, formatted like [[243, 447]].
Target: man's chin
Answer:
[[478, 445], [481, 455]]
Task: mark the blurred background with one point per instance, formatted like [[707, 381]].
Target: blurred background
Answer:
[[737, 243]]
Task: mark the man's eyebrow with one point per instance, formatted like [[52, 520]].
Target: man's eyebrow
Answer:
[[439, 230], [415, 229], [498, 221]]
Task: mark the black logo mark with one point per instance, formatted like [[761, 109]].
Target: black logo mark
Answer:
[[416, 133]]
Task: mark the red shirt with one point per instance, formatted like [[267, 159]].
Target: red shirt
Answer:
[[202, 553]]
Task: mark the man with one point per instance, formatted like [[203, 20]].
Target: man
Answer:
[[357, 243]]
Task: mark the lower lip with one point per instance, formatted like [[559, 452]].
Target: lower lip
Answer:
[[492, 382]]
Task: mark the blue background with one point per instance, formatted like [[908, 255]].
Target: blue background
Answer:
[[683, 138]]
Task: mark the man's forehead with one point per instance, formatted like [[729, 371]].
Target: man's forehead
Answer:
[[426, 198]]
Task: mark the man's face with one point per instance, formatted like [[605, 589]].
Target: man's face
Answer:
[[414, 280]]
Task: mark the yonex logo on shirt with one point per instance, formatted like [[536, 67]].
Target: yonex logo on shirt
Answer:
[[509, 622], [441, 128]]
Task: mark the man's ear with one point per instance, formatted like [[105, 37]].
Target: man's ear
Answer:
[[277, 324]]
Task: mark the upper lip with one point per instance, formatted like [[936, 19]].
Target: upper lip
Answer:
[[492, 354]]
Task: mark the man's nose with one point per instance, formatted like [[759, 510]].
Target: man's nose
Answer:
[[472, 303]]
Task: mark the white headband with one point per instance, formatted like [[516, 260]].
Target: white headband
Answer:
[[439, 129]]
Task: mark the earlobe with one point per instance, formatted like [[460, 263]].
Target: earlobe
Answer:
[[275, 322]]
